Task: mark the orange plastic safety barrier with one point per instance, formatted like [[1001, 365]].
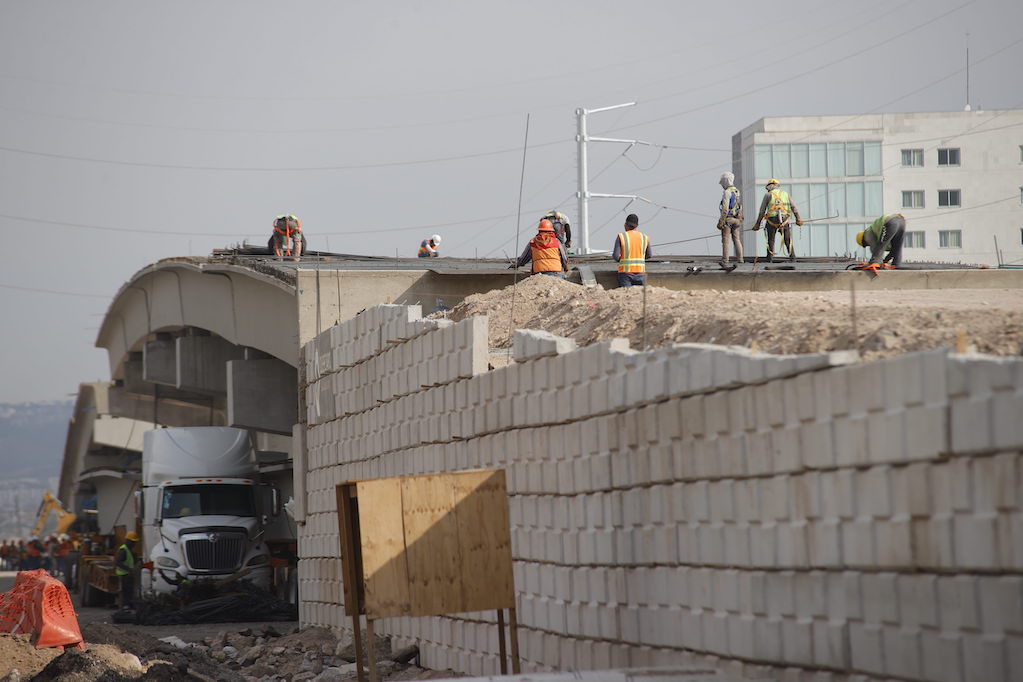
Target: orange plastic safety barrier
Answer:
[[39, 604]]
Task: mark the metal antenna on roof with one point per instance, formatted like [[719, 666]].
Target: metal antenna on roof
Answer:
[[968, 107]]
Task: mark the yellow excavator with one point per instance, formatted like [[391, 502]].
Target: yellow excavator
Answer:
[[51, 504]]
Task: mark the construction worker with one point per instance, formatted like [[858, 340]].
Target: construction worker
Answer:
[[632, 251], [885, 233], [776, 208], [287, 235], [124, 567], [545, 251], [428, 247], [730, 221], [562, 230]]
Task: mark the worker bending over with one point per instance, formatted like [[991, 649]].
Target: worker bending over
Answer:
[[632, 251], [776, 207], [287, 238], [546, 252], [562, 230], [730, 221], [428, 247], [885, 233]]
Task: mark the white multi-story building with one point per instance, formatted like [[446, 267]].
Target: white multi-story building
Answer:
[[957, 177]]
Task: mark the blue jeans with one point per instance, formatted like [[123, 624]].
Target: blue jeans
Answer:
[[554, 273], [629, 279]]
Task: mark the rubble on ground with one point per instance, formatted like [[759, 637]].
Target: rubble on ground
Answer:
[[886, 322], [205, 602], [114, 653]]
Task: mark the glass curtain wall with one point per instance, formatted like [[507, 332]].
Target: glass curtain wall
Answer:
[[836, 180]]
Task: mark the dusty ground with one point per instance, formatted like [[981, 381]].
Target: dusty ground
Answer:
[[885, 322]]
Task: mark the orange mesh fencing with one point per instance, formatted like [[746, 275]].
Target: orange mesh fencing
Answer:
[[39, 604]]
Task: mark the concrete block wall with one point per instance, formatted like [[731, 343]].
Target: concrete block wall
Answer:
[[799, 516]]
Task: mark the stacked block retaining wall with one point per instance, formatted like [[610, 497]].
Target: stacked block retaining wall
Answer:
[[801, 517]]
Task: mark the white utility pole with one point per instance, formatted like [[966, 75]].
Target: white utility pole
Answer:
[[584, 193]]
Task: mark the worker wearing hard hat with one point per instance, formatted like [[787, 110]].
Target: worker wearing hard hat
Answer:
[[124, 567], [562, 230], [428, 247], [885, 233], [545, 251], [776, 207], [730, 220], [632, 250]]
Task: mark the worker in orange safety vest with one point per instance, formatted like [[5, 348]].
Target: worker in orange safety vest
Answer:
[[632, 251], [545, 251]]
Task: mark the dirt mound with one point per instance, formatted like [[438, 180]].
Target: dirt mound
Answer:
[[124, 638], [882, 323], [18, 653], [100, 662]]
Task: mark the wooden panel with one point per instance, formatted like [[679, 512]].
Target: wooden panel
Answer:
[[481, 508], [384, 566], [346, 521], [431, 540]]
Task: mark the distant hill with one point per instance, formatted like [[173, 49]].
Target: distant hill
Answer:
[[32, 439]]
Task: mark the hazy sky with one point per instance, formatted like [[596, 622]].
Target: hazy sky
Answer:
[[136, 131]]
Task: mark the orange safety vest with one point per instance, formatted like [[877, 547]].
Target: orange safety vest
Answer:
[[546, 254], [634, 245]]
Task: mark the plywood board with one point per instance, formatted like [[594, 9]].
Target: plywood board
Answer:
[[481, 508], [431, 540], [384, 566]]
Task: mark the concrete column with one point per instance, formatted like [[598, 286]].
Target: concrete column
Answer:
[[159, 361], [262, 395], [201, 363]]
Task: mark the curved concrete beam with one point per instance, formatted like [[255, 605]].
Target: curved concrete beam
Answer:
[[237, 303]]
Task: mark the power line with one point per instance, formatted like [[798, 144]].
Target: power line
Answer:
[[788, 79], [280, 169], [51, 291]]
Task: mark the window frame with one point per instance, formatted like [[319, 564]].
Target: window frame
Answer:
[[910, 237], [943, 236], [913, 194], [948, 150], [915, 154], [959, 197]]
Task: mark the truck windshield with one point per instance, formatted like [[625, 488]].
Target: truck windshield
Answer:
[[207, 500]]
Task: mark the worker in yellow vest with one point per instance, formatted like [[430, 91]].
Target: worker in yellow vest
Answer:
[[776, 207], [632, 251], [545, 251], [885, 233], [124, 567]]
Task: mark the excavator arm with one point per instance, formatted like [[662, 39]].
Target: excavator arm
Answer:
[[52, 504]]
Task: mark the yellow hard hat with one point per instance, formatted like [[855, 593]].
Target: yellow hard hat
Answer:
[[772, 181], [132, 536], [859, 239]]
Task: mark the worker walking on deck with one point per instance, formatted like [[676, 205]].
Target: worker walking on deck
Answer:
[[546, 252], [632, 251], [730, 220], [428, 247], [124, 567], [562, 230], [885, 233], [776, 208]]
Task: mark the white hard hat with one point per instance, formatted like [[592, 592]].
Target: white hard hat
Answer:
[[435, 239]]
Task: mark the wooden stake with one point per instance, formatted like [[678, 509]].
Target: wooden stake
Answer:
[[514, 626], [501, 646], [371, 650]]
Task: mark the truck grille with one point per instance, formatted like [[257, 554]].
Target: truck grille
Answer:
[[222, 553]]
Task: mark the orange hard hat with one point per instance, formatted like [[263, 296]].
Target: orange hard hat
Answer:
[[546, 226]]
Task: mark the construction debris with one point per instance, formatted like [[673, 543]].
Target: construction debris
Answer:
[[887, 322], [114, 653], [204, 602]]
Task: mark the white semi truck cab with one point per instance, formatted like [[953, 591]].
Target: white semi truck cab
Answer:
[[204, 510]]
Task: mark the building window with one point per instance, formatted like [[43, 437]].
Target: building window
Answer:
[[950, 239], [949, 197], [914, 240], [912, 158], [948, 157], [913, 198]]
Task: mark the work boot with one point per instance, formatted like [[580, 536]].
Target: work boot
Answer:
[[770, 258], [792, 258]]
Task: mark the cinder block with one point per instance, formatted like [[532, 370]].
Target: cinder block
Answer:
[[1001, 604], [984, 657], [975, 540], [918, 600], [797, 640], [880, 598], [831, 643], [942, 657], [902, 652], [866, 648], [958, 603]]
